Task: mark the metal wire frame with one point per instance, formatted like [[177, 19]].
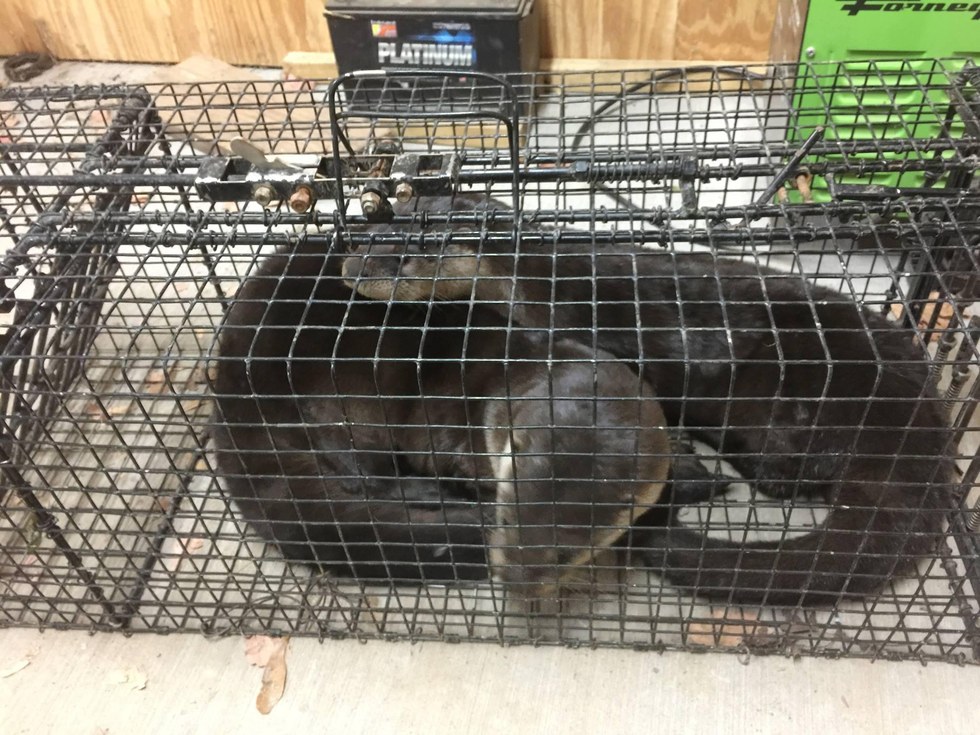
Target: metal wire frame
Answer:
[[117, 275]]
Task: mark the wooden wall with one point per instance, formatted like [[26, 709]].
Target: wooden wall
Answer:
[[260, 32]]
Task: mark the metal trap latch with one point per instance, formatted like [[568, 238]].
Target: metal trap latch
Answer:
[[252, 174], [405, 176], [424, 174]]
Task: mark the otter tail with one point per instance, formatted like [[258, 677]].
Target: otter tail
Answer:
[[854, 553]]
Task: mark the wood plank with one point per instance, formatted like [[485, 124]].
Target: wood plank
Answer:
[[599, 65], [261, 33], [313, 65], [191, 101], [737, 29], [257, 33], [209, 102], [569, 27], [638, 29], [20, 33], [309, 65], [787, 30]]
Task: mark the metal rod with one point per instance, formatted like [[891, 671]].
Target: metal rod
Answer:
[[47, 523], [790, 168]]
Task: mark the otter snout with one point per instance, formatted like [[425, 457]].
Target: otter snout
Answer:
[[383, 273], [389, 273]]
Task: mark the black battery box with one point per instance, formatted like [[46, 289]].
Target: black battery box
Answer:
[[446, 37]]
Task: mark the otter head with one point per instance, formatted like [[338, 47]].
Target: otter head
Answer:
[[399, 273]]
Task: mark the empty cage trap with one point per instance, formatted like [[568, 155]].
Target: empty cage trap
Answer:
[[593, 312]]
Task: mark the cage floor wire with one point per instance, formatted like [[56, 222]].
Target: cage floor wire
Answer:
[[124, 249]]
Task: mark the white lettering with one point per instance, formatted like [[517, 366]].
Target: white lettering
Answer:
[[425, 54]]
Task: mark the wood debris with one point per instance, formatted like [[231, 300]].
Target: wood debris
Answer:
[[106, 412]]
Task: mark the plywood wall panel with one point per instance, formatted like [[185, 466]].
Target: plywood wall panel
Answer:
[[17, 30], [261, 32], [238, 31], [564, 35], [608, 29], [734, 29], [638, 29]]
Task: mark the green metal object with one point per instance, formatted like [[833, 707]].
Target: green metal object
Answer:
[[861, 99]]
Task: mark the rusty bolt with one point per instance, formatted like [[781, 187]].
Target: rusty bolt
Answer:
[[370, 202], [404, 192], [264, 194], [301, 199]]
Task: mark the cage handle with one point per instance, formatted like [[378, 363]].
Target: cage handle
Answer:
[[509, 118]]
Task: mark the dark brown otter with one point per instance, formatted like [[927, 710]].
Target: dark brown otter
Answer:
[[805, 391], [368, 437]]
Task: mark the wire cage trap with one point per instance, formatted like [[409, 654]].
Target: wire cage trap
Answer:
[[513, 362]]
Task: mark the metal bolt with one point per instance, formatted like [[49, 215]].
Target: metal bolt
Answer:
[[370, 202], [404, 192], [810, 52], [301, 200], [973, 522], [264, 194]]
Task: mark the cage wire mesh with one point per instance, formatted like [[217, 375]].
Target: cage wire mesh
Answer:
[[481, 446]]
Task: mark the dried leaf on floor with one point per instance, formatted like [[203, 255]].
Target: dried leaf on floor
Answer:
[[13, 668], [259, 648], [106, 412], [9, 122], [270, 654], [132, 679], [727, 632], [98, 118], [192, 405], [156, 381], [943, 319], [273, 678]]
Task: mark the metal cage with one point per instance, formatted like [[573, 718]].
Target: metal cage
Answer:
[[142, 228]]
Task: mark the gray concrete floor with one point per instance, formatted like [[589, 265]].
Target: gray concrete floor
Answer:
[[71, 683], [198, 686]]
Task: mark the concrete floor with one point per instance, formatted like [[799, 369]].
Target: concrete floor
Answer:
[[198, 686], [71, 683]]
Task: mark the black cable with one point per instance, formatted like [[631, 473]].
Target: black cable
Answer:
[[656, 78]]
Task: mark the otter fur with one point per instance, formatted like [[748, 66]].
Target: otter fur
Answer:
[[401, 441], [807, 393]]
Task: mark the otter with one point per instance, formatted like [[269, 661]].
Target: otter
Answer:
[[805, 392], [401, 441]]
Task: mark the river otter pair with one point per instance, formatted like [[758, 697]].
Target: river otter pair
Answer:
[[367, 437], [807, 393]]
